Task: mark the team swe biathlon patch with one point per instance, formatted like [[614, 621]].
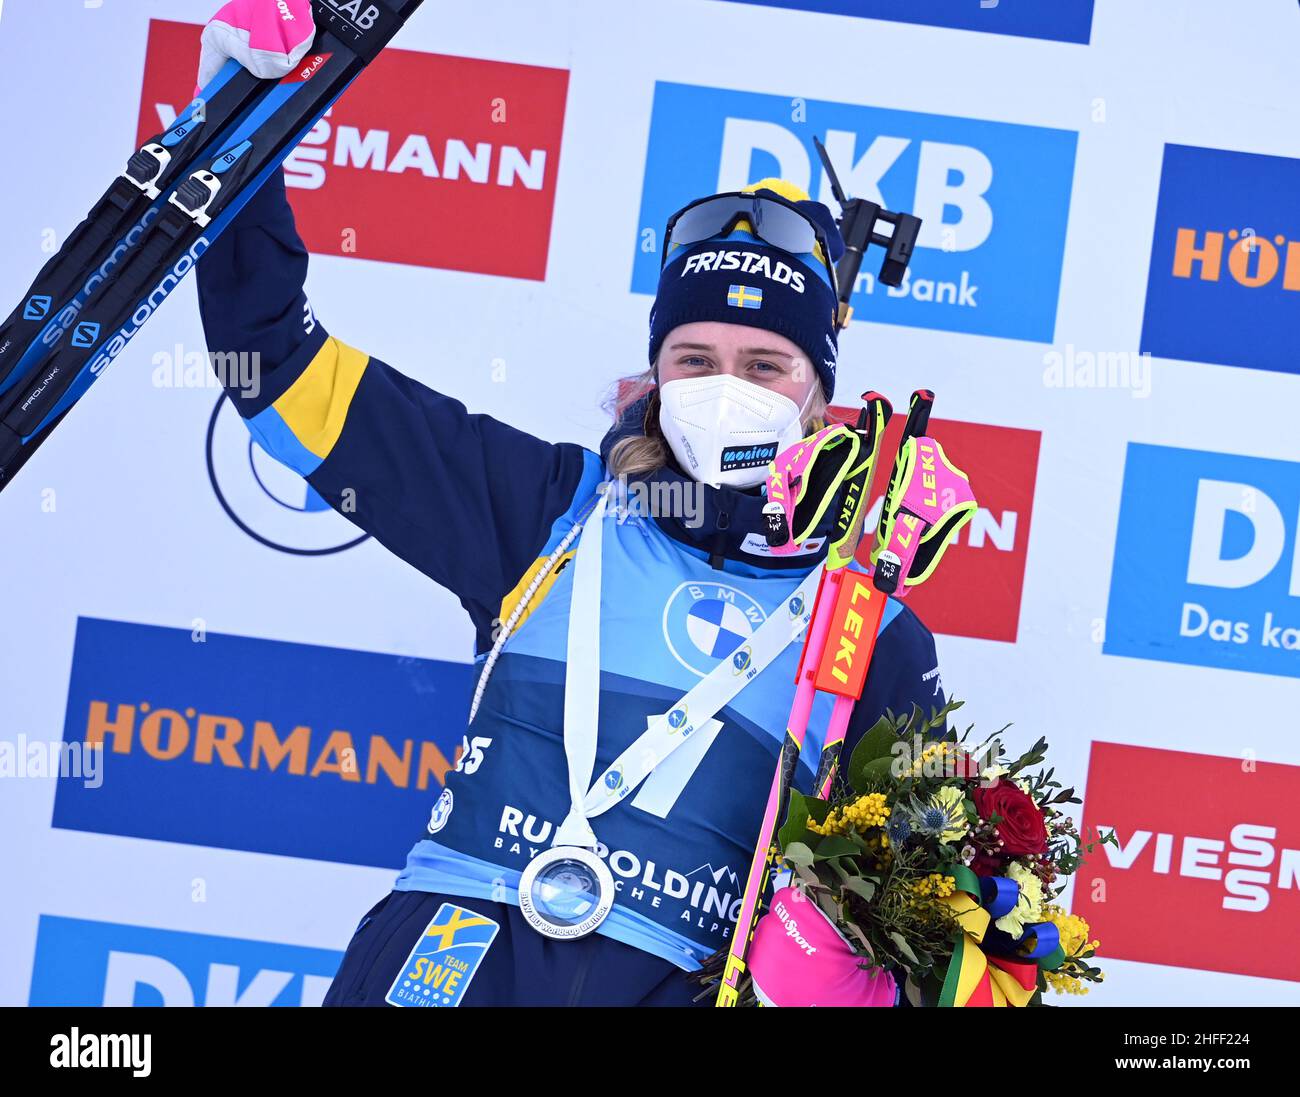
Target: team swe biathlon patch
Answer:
[[446, 956]]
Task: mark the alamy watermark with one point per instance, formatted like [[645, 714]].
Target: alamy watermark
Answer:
[[658, 499], [1101, 369], [236, 371], [37, 758]]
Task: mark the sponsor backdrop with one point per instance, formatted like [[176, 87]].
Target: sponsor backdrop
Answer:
[[1103, 296]]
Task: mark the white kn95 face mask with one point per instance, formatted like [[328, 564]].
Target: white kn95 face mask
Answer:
[[726, 431]]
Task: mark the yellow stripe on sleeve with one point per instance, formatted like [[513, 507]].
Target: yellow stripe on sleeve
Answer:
[[315, 406]]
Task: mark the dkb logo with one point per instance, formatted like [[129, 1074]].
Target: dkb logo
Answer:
[[1206, 564], [988, 258]]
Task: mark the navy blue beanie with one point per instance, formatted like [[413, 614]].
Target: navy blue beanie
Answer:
[[739, 279]]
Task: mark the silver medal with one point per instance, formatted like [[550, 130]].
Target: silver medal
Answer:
[[566, 892]]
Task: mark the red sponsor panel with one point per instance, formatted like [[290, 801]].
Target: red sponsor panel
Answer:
[[427, 159], [976, 589], [1207, 871]]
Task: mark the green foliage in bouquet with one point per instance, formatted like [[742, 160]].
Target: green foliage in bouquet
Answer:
[[918, 825]]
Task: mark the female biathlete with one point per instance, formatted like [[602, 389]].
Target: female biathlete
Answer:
[[634, 675]]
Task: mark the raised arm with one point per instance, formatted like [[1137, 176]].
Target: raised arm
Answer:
[[466, 499]]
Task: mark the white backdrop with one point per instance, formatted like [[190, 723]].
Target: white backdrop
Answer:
[[137, 536]]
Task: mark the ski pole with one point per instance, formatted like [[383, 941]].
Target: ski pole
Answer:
[[856, 478], [926, 502], [868, 602]]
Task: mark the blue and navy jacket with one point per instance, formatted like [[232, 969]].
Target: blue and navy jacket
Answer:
[[678, 596]]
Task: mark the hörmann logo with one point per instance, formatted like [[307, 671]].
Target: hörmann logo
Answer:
[[118, 342], [335, 759], [252, 743], [1226, 250]]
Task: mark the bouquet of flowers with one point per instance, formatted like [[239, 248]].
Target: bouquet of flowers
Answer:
[[936, 863]]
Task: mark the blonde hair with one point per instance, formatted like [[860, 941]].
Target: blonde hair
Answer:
[[639, 455]]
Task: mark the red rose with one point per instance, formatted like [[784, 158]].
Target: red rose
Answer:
[[1020, 823], [984, 864]]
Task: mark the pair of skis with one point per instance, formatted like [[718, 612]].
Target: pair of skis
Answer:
[[175, 197], [926, 502]]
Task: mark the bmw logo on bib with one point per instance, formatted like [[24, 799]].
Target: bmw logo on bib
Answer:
[[705, 623], [441, 812]]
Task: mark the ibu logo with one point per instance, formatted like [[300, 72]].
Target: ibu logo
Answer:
[[37, 307], [1206, 563], [85, 334], [1226, 251], [994, 197], [199, 747]]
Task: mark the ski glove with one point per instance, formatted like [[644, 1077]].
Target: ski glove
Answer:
[[267, 37]]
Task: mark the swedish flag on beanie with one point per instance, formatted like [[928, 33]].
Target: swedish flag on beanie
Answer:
[[740, 279]]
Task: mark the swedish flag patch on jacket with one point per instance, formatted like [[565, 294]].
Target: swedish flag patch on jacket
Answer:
[[446, 956]]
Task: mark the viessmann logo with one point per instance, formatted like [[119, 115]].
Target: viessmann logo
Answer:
[[332, 758], [1224, 283], [976, 590], [479, 141], [1215, 841]]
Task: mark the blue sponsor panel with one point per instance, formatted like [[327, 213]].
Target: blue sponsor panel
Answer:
[[994, 197], [259, 745], [80, 963], [1206, 565], [1224, 284], [1060, 20]]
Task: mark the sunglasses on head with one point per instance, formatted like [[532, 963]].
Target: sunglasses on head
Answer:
[[772, 219]]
